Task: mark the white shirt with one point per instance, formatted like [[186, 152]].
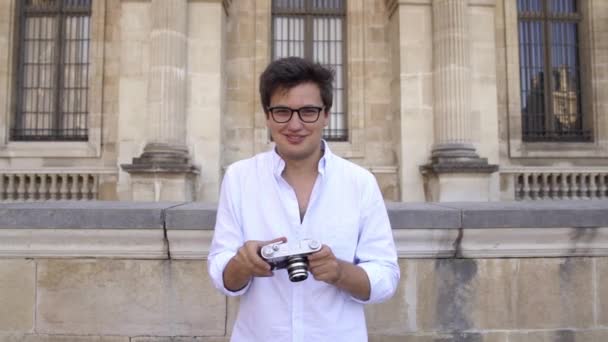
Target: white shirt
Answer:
[[345, 211]]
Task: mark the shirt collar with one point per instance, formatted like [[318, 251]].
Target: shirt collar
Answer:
[[278, 164]]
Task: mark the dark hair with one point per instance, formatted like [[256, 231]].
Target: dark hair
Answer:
[[286, 73]]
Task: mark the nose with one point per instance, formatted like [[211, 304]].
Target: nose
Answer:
[[294, 123]]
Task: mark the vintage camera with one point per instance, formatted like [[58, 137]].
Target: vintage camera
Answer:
[[293, 257]]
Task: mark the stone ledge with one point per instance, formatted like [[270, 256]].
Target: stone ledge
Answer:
[[83, 215], [422, 215], [421, 230], [537, 214], [195, 215]]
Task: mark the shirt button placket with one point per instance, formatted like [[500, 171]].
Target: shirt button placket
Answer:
[[297, 324]]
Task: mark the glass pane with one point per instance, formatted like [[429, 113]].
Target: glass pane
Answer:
[[41, 5], [288, 5], [76, 4], [529, 6], [328, 50], [327, 4], [565, 90], [531, 62], [562, 6], [288, 36]]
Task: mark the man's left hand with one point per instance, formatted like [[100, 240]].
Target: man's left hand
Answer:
[[324, 266]]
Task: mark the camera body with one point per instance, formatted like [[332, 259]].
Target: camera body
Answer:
[[293, 257]]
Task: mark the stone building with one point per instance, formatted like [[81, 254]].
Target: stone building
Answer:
[[441, 100]]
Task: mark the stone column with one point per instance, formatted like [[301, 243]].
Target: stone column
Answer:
[[164, 171], [455, 172]]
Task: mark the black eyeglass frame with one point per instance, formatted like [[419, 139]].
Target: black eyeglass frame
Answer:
[[318, 109]]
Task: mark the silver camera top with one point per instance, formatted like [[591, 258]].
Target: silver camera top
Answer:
[[293, 257], [281, 249]]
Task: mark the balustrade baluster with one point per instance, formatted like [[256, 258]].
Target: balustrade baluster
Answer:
[[21, 188], [526, 195], [43, 190], [2, 191], [544, 186], [63, 188], [73, 191], [583, 187], [534, 186], [31, 187], [54, 190], [603, 185], [10, 188], [574, 186], [592, 186], [94, 186], [84, 191]]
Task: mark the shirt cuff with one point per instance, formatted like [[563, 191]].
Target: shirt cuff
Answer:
[[216, 270], [381, 286]]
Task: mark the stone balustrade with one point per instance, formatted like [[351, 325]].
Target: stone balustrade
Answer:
[[42, 186], [126, 271], [557, 185]]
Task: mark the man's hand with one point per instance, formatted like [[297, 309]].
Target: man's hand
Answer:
[[247, 263], [324, 266], [346, 276]]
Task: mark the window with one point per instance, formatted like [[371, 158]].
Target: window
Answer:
[[315, 29], [550, 71], [52, 101]]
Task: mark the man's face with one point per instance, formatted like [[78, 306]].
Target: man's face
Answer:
[[295, 139]]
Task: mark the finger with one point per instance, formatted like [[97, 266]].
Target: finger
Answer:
[[318, 262], [258, 263], [252, 260], [323, 275], [321, 268], [262, 272]]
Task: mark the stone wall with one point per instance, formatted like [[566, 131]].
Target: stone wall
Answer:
[[121, 272]]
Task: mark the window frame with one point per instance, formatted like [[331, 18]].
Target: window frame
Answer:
[[308, 14], [27, 149], [18, 128], [546, 18], [590, 101]]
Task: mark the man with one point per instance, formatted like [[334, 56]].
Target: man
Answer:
[[301, 190]]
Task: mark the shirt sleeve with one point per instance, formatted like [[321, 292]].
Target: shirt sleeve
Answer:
[[227, 235], [376, 253]]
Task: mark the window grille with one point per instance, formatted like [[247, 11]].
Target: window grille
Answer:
[[53, 71], [549, 71], [315, 29]]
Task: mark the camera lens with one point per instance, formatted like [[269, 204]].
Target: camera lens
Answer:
[[297, 268]]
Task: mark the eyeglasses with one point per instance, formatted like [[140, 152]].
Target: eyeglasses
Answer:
[[308, 114]]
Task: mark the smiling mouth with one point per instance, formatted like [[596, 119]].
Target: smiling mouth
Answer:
[[294, 139]]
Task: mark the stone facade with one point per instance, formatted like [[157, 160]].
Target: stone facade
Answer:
[[404, 112]]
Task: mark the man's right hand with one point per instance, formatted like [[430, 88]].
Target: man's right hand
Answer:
[[247, 263]]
